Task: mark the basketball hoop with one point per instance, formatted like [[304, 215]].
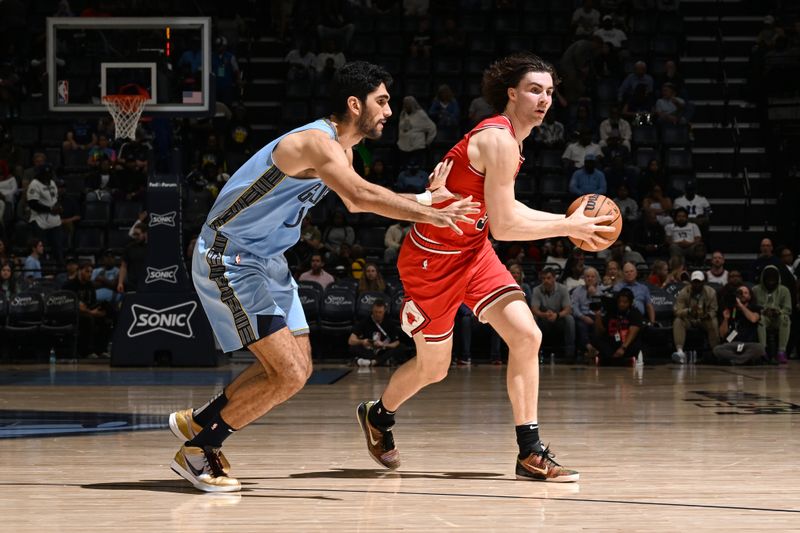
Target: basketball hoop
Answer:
[[126, 109]]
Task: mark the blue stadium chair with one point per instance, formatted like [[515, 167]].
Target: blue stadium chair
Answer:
[[365, 302], [644, 136], [679, 160], [675, 135], [643, 156]]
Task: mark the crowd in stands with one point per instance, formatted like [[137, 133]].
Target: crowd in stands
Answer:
[[621, 125]]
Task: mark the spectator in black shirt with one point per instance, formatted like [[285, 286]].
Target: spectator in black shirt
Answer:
[[739, 331], [616, 332], [93, 329], [651, 240], [133, 259], [375, 341]]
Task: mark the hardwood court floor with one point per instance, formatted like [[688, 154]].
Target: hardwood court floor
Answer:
[[667, 449]]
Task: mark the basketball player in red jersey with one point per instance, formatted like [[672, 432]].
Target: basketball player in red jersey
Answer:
[[439, 271]]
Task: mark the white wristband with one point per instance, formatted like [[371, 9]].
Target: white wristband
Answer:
[[425, 198]]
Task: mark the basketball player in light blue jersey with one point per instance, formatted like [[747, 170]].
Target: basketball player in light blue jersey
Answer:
[[242, 277]]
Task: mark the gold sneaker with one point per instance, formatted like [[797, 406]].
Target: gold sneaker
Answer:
[[182, 425], [380, 444], [540, 466], [202, 468]]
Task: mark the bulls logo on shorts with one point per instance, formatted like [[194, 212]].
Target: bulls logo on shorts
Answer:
[[412, 319]]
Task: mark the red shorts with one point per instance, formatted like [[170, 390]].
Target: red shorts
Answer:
[[437, 282]]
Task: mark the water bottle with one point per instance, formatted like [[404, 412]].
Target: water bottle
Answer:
[[552, 358], [52, 356]]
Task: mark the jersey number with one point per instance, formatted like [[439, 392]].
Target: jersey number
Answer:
[[313, 195], [481, 222]]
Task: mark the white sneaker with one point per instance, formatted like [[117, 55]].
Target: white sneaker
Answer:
[[202, 468], [679, 357], [363, 362]]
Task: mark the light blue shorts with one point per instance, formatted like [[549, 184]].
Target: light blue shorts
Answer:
[[235, 287]]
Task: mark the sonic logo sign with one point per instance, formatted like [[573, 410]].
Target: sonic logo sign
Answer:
[[175, 320], [167, 275], [166, 219]]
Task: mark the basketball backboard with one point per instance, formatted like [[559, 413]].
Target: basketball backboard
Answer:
[[170, 57]]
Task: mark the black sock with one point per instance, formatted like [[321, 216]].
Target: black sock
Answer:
[[527, 437], [213, 434], [203, 415], [379, 417]]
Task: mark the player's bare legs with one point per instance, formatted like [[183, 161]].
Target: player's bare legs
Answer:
[[284, 365], [512, 319], [429, 366], [377, 418]]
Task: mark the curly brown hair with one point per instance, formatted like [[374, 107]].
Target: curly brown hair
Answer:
[[507, 72]]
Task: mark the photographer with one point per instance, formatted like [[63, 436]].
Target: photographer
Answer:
[[375, 341], [739, 329], [616, 332]]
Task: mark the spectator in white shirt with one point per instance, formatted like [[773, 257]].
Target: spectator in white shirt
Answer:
[[416, 131], [551, 132], [575, 153], [586, 19], [302, 62], [611, 35], [684, 237], [696, 205], [615, 122], [332, 55], [393, 239]]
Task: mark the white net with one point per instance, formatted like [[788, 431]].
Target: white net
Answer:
[[125, 109]]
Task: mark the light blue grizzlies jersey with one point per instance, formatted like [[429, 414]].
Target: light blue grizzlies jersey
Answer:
[[260, 208]]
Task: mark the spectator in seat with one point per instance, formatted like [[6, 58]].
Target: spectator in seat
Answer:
[[378, 176], [317, 272], [412, 178], [228, 76], [638, 106], [452, 39], [301, 62], [641, 294], [416, 131], [628, 207], [9, 188], [479, 109], [38, 160], [334, 25], [372, 280], [611, 274], [422, 40], [553, 311], [695, 307], [575, 154], [588, 179], [338, 232], [551, 132], [8, 281], [105, 278], [81, 136], [615, 122], [572, 275], [671, 75], [393, 239], [45, 217], [581, 300], [310, 239], [558, 253], [787, 258], [765, 257], [660, 204], [669, 109], [101, 150], [615, 148], [240, 133], [329, 60], [583, 119], [585, 19], [739, 331], [717, 272], [727, 294], [212, 152], [697, 206], [620, 252], [133, 259], [375, 340], [93, 330], [677, 270], [446, 114], [612, 36], [684, 238], [659, 274], [776, 309], [616, 332], [638, 77]]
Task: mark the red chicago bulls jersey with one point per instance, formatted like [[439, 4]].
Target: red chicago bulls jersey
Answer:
[[463, 180]]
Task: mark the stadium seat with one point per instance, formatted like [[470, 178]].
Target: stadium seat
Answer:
[[336, 314], [90, 240], [126, 212], [54, 134], [60, 320], [643, 156], [96, 214], [23, 323], [674, 135], [310, 298], [679, 159], [365, 301], [644, 136]]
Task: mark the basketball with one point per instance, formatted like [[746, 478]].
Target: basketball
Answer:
[[597, 206]]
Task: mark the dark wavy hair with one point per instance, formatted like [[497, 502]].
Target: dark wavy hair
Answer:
[[507, 72], [358, 79]]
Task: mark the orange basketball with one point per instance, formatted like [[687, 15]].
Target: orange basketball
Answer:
[[598, 206]]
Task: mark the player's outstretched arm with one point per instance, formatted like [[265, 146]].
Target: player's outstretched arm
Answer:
[[511, 220], [332, 166]]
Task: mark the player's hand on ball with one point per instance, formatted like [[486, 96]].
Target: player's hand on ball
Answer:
[[452, 214], [438, 177], [591, 229]]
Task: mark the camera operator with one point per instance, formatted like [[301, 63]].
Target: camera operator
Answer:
[[616, 330], [739, 330]]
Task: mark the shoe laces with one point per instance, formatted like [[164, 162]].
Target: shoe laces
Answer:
[[547, 456], [213, 461]]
